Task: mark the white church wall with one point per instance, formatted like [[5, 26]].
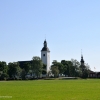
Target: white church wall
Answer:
[[45, 57]]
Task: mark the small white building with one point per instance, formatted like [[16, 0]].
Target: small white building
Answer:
[[45, 56]]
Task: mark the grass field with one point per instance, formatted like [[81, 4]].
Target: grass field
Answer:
[[51, 90]]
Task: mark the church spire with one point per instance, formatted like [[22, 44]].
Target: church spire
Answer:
[[45, 48], [45, 43], [82, 60]]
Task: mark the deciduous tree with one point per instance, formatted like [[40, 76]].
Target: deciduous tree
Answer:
[[14, 70], [55, 71], [37, 66]]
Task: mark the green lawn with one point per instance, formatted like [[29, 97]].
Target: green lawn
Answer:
[[51, 90]]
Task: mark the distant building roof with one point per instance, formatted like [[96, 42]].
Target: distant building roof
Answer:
[[21, 63]]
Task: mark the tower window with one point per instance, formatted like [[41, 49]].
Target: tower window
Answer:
[[43, 54]]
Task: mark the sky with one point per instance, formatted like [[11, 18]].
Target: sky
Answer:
[[67, 25]]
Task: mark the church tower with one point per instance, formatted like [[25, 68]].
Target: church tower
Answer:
[[82, 60], [45, 56], [82, 64]]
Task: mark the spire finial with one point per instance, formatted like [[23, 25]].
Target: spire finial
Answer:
[[81, 53], [45, 36]]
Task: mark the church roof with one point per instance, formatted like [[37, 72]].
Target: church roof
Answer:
[[45, 49], [21, 63]]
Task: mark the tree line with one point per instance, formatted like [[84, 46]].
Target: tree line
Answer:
[[36, 69], [71, 68]]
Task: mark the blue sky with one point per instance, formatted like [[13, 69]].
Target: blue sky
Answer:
[[69, 25]]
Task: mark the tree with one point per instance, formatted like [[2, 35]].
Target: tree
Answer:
[[14, 70], [27, 67], [3, 70], [55, 71], [23, 74], [37, 66], [4, 76], [59, 65], [66, 67], [85, 69], [3, 66], [76, 66], [44, 69]]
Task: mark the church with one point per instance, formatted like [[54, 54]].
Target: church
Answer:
[[45, 57]]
